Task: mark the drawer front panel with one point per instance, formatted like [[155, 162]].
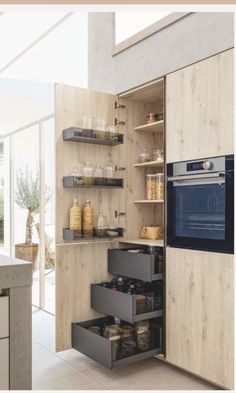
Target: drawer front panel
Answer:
[[119, 304], [134, 265], [4, 316], [99, 348], [4, 364]]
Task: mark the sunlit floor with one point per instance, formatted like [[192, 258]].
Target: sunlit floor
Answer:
[[70, 370]]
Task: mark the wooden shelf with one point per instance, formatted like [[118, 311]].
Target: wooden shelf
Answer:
[[149, 164], [156, 126], [144, 242], [149, 201]]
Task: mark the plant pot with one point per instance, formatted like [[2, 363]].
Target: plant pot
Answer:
[[28, 252]]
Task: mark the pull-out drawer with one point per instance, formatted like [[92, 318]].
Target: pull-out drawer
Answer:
[[102, 350], [4, 316], [4, 364], [130, 308], [134, 265]]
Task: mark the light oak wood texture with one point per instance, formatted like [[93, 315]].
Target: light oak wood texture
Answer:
[[146, 242], [77, 266], [199, 109], [4, 314], [199, 313], [149, 93], [157, 126], [4, 364]]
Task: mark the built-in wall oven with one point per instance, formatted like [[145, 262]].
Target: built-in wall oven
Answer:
[[200, 204]]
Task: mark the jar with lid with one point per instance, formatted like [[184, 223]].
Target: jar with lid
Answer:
[[101, 226], [128, 333], [142, 331], [99, 175], [88, 174], [100, 125], [157, 155], [160, 186], [151, 187], [111, 331], [75, 218], [144, 156], [151, 117]]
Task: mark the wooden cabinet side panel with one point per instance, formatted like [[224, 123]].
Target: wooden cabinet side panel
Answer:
[[199, 109], [4, 362], [199, 313]]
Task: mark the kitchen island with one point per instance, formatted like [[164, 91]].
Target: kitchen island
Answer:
[[15, 324]]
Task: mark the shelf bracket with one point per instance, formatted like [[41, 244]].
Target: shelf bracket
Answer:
[[118, 105], [120, 168], [119, 122], [118, 214]]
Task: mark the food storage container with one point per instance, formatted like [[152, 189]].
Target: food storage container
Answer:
[[160, 186], [100, 229], [157, 155], [88, 174], [144, 156], [151, 187], [151, 117]]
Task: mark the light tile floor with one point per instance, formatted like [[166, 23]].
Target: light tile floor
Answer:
[[70, 370]]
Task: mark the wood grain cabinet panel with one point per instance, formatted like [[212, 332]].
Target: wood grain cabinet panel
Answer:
[[199, 313], [199, 109], [4, 314]]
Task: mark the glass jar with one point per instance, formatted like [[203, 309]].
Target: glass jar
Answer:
[[144, 156], [157, 155], [87, 126], [100, 126], [151, 187], [160, 186], [143, 335], [109, 172], [115, 346], [99, 175], [100, 229], [128, 348], [113, 133], [77, 173], [112, 229], [127, 333], [111, 331], [88, 174], [151, 117], [87, 219]]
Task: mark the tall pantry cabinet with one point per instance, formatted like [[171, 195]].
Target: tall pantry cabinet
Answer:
[[199, 284]]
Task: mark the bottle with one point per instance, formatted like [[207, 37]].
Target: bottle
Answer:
[[101, 225], [75, 218], [87, 219], [98, 174]]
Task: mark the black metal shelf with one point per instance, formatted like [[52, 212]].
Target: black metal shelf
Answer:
[[73, 181], [70, 234], [77, 134]]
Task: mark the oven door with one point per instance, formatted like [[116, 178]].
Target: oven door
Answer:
[[200, 212]]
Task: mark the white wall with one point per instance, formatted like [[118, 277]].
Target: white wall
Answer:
[[197, 36]]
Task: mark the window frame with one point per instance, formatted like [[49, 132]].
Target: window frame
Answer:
[[147, 32]]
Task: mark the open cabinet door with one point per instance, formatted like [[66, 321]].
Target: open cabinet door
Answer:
[[78, 264]]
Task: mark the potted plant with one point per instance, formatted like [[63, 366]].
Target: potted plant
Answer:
[[28, 197]]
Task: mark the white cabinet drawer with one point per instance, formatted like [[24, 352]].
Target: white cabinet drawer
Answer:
[[4, 316], [4, 362]]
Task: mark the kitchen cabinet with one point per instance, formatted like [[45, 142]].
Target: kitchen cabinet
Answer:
[[4, 313], [199, 313], [83, 262], [199, 109]]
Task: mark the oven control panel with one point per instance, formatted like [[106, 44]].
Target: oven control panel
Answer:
[[199, 165]]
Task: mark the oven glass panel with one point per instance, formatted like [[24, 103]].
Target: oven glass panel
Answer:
[[200, 211]]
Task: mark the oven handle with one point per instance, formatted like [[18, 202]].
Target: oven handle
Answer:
[[218, 175]]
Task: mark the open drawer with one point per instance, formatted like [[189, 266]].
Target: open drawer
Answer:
[[134, 265], [130, 308], [102, 350]]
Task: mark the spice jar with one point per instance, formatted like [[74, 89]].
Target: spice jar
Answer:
[[95, 329], [110, 173], [143, 335], [77, 173], [151, 117], [88, 176], [87, 219], [157, 155], [144, 156], [160, 186], [100, 229], [151, 187]]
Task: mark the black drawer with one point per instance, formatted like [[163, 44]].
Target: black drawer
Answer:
[[122, 305], [134, 265], [101, 350]]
